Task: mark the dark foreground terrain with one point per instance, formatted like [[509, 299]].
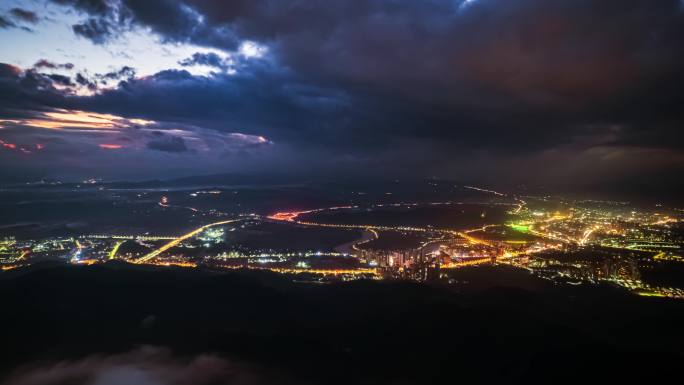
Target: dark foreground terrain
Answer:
[[120, 324]]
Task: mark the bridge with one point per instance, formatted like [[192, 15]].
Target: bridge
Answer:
[[176, 241], [128, 237]]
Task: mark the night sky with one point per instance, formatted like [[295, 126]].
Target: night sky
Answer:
[[565, 93]]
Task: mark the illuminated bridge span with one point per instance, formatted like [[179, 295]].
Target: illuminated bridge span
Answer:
[[469, 262], [176, 241], [129, 237], [322, 271]]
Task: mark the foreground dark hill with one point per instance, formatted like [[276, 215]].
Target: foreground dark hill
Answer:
[[66, 324]]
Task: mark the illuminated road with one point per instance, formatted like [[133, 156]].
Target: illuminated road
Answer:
[[520, 206], [373, 236], [586, 235], [131, 237], [470, 262], [23, 255], [292, 217], [474, 240], [483, 228], [112, 254], [180, 239], [485, 190]]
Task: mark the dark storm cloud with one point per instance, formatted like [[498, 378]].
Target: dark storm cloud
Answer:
[[208, 59], [24, 15], [105, 22], [92, 82], [60, 79], [174, 144], [23, 90], [35, 90], [9, 71], [43, 63], [124, 72], [171, 19], [262, 100], [96, 30], [422, 84], [528, 73], [85, 82], [6, 23], [96, 7], [18, 15]]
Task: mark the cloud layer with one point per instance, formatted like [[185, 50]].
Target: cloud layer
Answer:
[[451, 88], [145, 366]]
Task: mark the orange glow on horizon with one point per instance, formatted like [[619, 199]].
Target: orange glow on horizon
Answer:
[[142, 122], [109, 146], [66, 119]]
